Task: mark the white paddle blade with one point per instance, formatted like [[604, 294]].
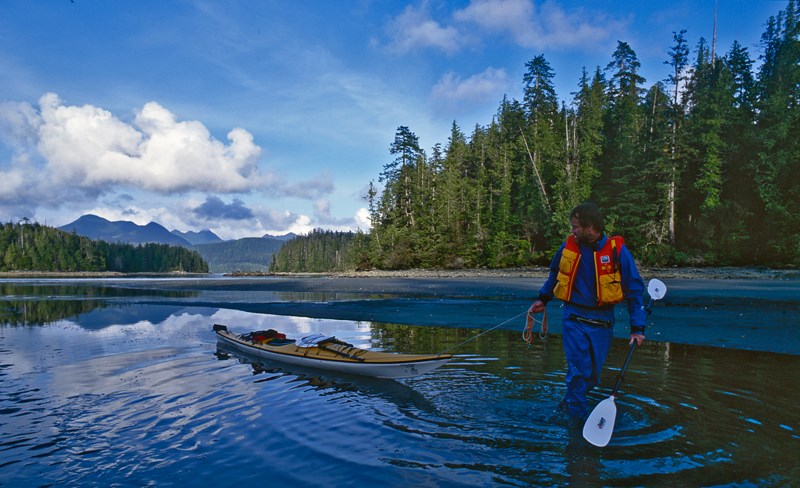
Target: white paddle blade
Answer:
[[600, 424], [656, 289]]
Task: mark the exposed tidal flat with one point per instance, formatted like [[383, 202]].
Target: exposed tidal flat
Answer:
[[118, 381]]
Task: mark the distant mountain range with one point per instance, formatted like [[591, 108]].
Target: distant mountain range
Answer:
[[284, 237], [202, 237], [98, 228], [248, 254]]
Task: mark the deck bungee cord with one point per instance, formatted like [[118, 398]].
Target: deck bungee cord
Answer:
[[318, 342]]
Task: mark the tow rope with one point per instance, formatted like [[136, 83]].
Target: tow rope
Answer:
[[527, 331], [478, 335]]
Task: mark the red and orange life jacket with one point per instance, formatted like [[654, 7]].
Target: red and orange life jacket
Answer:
[[606, 266]]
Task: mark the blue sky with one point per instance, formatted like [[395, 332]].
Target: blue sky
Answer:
[[258, 116]]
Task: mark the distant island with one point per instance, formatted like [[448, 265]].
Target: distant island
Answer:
[[32, 247]]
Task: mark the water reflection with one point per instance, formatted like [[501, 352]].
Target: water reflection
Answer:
[[37, 304], [739, 314], [55, 291], [133, 394], [265, 370], [36, 312]]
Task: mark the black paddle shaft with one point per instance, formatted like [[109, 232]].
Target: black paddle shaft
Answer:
[[621, 375]]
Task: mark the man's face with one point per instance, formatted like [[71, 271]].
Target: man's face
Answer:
[[584, 235]]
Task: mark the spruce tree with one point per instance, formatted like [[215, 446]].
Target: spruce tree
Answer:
[[626, 189], [777, 163]]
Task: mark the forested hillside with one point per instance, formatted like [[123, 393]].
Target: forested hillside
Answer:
[[323, 250], [34, 247], [701, 168], [247, 254]]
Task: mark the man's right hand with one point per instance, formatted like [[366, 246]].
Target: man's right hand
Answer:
[[537, 307]]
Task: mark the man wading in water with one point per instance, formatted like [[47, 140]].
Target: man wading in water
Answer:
[[590, 273]]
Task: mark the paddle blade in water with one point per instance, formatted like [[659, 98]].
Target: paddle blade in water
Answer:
[[600, 424]]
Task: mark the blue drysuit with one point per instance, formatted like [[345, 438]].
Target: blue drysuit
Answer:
[[587, 328]]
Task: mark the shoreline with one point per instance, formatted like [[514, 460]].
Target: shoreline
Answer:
[[721, 273], [542, 272], [94, 274]]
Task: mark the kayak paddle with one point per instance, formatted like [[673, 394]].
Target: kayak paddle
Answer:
[[600, 424]]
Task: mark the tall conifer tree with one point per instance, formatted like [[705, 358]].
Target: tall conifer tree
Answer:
[[625, 193], [778, 125]]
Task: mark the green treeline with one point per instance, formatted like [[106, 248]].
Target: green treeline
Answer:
[[322, 250], [702, 168], [34, 247]]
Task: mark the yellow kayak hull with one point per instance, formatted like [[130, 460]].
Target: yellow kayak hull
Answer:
[[337, 356]]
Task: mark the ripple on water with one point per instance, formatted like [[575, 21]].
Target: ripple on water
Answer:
[[98, 408]]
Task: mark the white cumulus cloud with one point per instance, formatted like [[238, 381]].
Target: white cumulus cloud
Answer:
[[90, 147], [87, 147]]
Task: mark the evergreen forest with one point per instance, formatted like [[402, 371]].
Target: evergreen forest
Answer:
[[701, 168], [323, 250], [35, 247]]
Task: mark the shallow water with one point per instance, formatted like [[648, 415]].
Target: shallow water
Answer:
[[110, 388]]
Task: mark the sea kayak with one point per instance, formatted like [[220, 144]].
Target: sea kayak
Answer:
[[329, 353]]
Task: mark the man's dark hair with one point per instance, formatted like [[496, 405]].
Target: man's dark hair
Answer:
[[588, 214]]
